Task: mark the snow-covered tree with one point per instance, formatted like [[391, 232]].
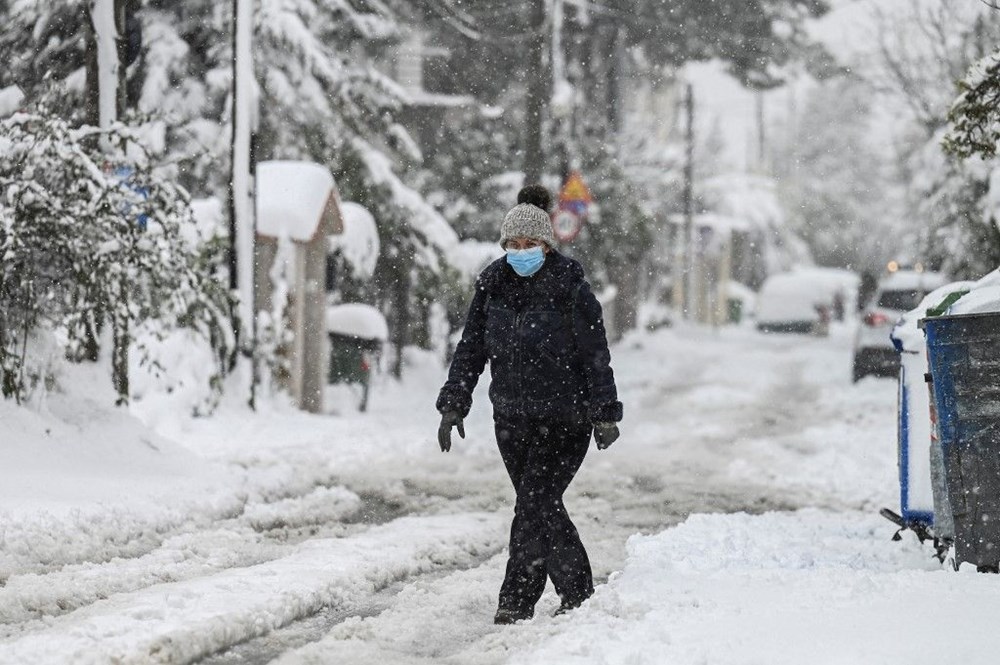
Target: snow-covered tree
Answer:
[[93, 236], [838, 187], [923, 50], [320, 97]]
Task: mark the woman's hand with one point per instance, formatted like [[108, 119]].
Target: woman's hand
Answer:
[[605, 434], [449, 419]]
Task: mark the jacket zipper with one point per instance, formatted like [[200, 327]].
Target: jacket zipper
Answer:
[[518, 317]]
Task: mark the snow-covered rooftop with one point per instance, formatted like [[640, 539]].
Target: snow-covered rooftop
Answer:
[[291, 198]]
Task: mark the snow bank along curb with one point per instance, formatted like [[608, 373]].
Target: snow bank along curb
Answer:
[[805, 587], [180, 622]]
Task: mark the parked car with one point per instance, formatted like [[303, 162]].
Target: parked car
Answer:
[[794, 302], [897, 292]]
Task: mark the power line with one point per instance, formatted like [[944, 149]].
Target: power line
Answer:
[[466, 24]]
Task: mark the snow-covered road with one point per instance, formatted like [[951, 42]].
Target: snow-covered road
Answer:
[[353, 539]]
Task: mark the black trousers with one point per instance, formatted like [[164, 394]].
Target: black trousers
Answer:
[[541, 459]]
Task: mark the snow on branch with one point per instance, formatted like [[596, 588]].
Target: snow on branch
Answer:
[[975, 116], [423, 218]]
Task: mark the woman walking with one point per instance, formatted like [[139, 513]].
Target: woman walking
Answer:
[[535, 320]]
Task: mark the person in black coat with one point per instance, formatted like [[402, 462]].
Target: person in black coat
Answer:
[[534, 319]]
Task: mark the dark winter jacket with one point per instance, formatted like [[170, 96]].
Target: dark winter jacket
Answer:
[[545, 341]]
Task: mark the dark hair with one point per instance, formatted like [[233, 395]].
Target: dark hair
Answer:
[[536, 195]]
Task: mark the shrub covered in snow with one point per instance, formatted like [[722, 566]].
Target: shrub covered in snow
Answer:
[[92, 238]]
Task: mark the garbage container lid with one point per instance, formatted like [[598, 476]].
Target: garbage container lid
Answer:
[[922, 323]]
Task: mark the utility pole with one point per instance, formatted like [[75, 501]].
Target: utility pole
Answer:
[[687, 239], [105, 71], [539, 88], [563, 95], [761, 133], [242, 226]]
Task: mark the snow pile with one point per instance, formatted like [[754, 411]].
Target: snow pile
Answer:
[[159, 395], [80, 481], [359, 243], [11, 98], [782, 589], [907, 335], [983, 296]]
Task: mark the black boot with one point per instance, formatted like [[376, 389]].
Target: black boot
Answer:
[[506, 617], [567, 606]]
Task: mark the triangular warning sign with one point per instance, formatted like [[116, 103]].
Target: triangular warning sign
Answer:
[[575, 189]]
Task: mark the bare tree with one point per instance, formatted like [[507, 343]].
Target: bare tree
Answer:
[[925, 49]]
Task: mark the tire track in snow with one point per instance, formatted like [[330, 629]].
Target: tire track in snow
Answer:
[[263, 532], [184, 621]]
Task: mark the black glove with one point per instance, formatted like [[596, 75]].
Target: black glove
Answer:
[[605, 434], [449, 419]]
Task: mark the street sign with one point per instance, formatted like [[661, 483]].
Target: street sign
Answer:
[[571, 212], [126, 177], [566, 224]]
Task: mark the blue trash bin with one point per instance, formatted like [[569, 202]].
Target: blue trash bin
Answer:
[[964, 357], [914, 442]]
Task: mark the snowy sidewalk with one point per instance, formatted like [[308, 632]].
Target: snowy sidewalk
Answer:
[[805, 587]]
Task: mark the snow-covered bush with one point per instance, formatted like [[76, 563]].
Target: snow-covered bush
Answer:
[[91, 236]]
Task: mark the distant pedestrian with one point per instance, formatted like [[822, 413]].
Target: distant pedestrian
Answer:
[[535, 320]]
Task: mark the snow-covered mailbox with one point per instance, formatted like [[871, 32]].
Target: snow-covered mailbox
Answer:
[[297, 211], [357, 333]]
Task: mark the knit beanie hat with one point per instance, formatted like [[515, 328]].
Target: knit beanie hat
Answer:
[[529, 218]]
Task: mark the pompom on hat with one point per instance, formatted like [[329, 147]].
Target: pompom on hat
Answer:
[[529, 218]]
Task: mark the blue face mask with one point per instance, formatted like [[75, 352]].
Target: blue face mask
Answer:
[[526, 262]]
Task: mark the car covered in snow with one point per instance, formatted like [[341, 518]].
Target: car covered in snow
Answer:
[[897, 292], [799, 301]]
